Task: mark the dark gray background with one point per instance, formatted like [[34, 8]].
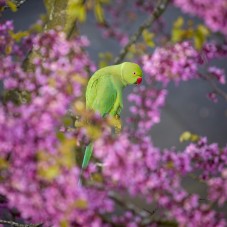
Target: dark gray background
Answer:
[[187, 106]]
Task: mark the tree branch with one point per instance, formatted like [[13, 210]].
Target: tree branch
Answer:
[[128, 206], [11, 223], [18, 3], [160, 8], [58, 16], [144, 214], [147, 217], [219, 91]]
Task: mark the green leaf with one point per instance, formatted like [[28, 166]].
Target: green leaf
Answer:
[[81, 203], [49, 173], [64, 223], [3, 163], [97, 177], [200, 36], [11, 5], [67, 120], [67, 151], [148, 38], [99, 14], [179, 22], [81, 13], [188, 136], [177, 31], [203, 30], [177, 35], [105, 59], [185, 136], [60, 136], [76, 9], [19, 35]]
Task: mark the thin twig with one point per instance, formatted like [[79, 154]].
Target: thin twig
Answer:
[[218, 91], [18, 3], [153, 17], [129, 206], [147, 217], [4, 222]]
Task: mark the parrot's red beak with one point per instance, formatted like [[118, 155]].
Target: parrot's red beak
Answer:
[[139, 80]]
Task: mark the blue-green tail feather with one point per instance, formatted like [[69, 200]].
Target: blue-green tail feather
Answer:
[[87, 155]]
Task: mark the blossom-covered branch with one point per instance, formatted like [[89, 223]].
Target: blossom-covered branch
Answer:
[[11, 4], [214, 15], [160, 8], [215, 88]]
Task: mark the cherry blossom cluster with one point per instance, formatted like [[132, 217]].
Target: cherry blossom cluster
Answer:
[[145, 107], [208, 158], [113, 26], [214, 15], [38, 172], [182, 62], [175, 62], [56, 72], [135, 165], [132, 163], [36, 180], [217, 188], [217, 73]]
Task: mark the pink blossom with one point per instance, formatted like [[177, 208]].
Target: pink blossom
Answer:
[[214, 15], [218, 188], [219, 74], [177, 62]]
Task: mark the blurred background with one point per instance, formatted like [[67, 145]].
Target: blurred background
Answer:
[[187, 107]]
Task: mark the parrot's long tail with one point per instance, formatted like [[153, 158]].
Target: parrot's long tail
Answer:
[[87, 157]]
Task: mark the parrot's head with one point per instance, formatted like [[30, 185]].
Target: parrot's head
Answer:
[[131, 73]]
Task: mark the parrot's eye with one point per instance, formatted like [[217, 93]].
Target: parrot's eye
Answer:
[[134, 73]]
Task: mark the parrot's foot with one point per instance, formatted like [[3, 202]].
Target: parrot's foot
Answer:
[[99, 164]]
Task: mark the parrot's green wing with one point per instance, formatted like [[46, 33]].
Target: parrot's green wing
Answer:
[[101, 94]]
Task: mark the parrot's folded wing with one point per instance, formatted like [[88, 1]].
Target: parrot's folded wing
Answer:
[[101, 95]]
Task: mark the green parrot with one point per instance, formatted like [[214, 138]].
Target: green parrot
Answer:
[[104, 92]]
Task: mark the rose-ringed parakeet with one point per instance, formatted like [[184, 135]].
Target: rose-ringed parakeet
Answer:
[[104, 92]]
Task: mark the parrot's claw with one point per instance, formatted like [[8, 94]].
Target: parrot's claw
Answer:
[[99, 164]]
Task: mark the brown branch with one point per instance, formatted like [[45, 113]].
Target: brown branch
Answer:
[[11, 223], [160, 8], [219, 91], [145, 215], [19, 2], [165, 223]]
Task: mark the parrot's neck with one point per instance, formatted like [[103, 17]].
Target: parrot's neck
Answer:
[[118, 77]]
